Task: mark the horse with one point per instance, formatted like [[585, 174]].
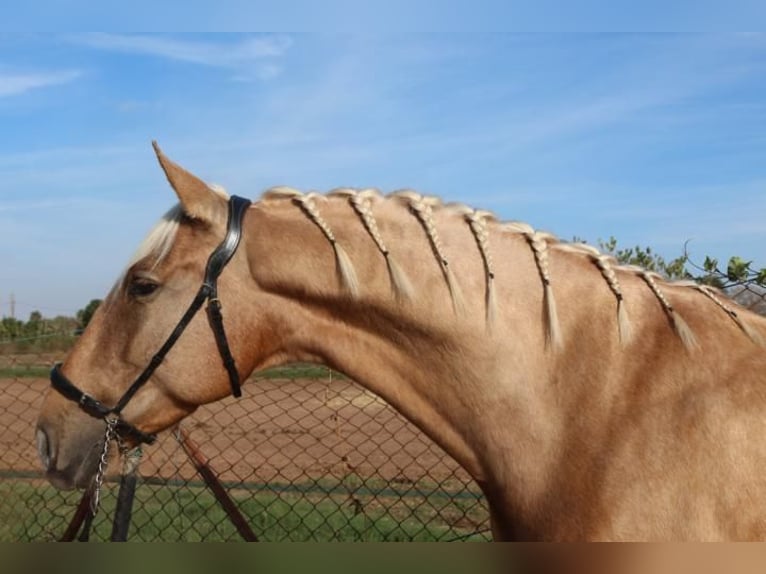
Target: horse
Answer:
[[589, 400]]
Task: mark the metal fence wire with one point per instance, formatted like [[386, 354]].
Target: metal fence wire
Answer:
[[305, 454], [752, 297]]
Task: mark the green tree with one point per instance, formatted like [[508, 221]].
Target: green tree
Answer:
[[35, 325], [85, 314], [10, 328], [63, 324], [740, 280], [646, 258]]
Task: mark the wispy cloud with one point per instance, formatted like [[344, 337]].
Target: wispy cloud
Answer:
[[13, 84], [235, 55]]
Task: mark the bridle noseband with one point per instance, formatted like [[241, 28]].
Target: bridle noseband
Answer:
[[207, 292]]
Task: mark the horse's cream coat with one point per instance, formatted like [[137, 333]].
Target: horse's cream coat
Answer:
[[589, 400]]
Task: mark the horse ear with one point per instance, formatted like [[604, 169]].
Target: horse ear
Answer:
[[197, 199]]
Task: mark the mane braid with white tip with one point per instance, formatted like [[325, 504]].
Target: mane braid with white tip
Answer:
[[683, 330], [307, 203], [477, 221], [422, 207], [538, 242], [710, 294], [604, 264]]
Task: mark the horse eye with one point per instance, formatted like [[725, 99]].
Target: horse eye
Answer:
[[142, 287]]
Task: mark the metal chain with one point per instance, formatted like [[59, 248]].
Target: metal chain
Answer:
[[98, 481]]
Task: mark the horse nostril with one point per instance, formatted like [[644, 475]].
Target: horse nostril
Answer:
[[43, 448]]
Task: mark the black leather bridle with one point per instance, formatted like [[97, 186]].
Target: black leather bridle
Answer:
[[207, 292]]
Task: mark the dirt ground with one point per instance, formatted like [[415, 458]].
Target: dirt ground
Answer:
[[280, 431]]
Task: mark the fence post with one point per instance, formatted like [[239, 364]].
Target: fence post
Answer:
[[126, 495]]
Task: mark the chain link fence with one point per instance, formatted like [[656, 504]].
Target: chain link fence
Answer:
[[305, 454], [751, 296]]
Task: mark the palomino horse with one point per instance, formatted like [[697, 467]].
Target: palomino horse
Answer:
[[589, 400]]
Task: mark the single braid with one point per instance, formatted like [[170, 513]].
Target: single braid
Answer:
[[538, 241], [604, 264], [710, 294], [477, 221], [308, 203], [422, 207], [344, 266], [281, 192], [425, 213], [647, 276], [680, 326], [362, 204]]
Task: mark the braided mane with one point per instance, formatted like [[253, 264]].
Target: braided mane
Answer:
[[482, 225]]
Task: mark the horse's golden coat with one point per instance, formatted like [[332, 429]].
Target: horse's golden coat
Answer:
[[590, 401]]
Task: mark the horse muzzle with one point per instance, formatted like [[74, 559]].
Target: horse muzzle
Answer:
[[63, 471]]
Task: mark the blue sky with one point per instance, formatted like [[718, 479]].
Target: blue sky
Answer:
[[652, 138]]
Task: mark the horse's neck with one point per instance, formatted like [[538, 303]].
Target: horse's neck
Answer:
[[450, 371], [500, 396]]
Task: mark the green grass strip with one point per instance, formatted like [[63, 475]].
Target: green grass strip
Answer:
[[162, 513]]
